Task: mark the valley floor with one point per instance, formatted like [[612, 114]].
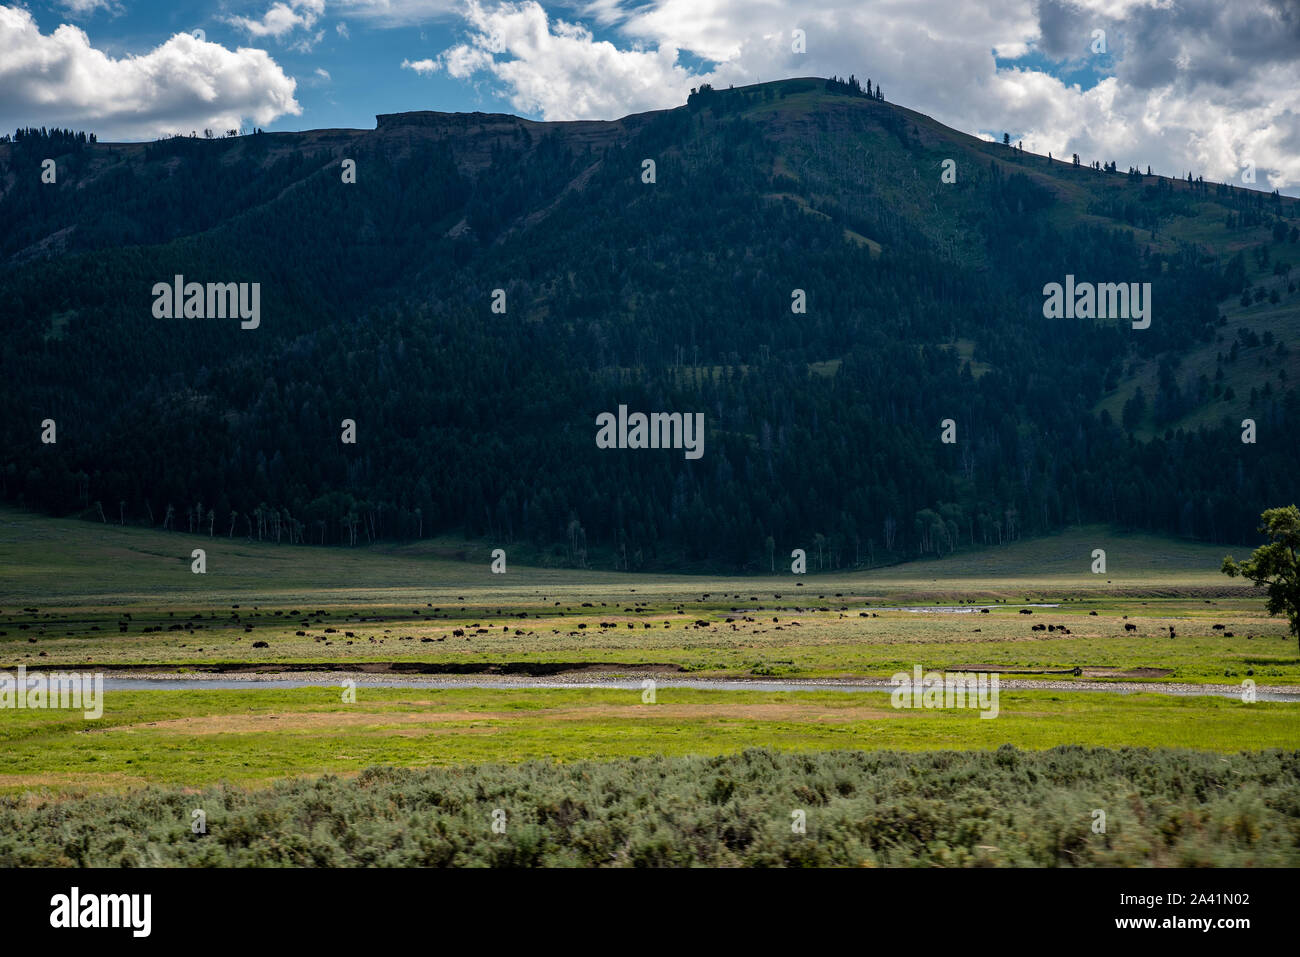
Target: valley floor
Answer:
[[370, 686]]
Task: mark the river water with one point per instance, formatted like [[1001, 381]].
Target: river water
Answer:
[[635, 683]]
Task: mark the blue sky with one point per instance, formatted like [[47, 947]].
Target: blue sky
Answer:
[[1193, 85]]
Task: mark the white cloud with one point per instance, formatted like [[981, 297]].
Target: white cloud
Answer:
[[1199, 86], [423, 67], [558, 69], [322, 73], [306, 44], [341, 29], [1193, 85], [561, 71], [1012, 50], [184, 84], [84, 8], [282, 18], [398, 13], [1117, 9]]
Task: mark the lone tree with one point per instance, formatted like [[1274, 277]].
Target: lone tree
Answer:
[[1276, 564]]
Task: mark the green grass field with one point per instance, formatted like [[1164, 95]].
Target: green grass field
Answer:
[[202, 737], [114, 597], [117, 597], [71, 562]]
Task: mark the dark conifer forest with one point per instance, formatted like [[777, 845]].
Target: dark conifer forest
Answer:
[[924, 303]]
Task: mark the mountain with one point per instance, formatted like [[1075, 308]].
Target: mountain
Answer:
[[822, 429]]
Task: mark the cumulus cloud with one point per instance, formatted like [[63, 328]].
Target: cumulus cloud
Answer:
[[1195, 85], [282, 18], [562, 71], [185, 84], [1198, 86], [558, 69]]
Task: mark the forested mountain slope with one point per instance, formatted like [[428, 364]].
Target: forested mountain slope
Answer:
[[924, 302]]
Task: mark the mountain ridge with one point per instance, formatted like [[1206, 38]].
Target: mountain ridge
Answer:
[[924, 303]]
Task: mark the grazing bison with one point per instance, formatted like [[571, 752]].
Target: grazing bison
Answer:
[[1130, 627]]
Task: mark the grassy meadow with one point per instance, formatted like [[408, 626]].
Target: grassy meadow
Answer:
[[119, 597], [338, 781], [200, 737]]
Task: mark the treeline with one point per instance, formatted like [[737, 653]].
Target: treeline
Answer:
[[852, 87], [51, 139]]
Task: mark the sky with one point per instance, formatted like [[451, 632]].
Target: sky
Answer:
[[1206, 86]]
